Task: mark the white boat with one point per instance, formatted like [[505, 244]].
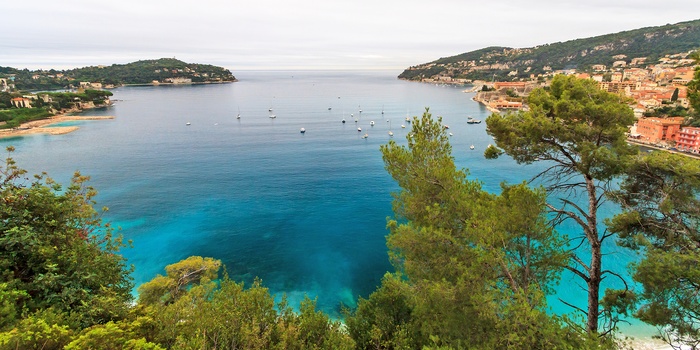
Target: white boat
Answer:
[[269, 109], [471, 147], [272, 116], [446, 126], [391, 134], [371, 123], [365, 136], [302, 130], [403, 126], [359, 129], [450, 134], [188, 123]]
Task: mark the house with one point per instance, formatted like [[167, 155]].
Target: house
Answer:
[[21, 102], [688, 140], [659, 130]]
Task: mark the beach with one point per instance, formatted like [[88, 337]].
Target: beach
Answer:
[[43, 126]]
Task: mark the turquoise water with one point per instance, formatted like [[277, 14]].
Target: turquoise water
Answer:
[[304, 212]]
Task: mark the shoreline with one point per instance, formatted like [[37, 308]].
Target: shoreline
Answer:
[[43, 126]]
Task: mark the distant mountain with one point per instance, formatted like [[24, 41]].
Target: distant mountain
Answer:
[[141, 72], [582, 54]]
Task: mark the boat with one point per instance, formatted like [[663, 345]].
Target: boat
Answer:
[[365, 136], [471, 147], [391, 134], [329, 108], [302, 130], [471, 120], [403, 126], [359, 129], [343, 121], [188, 123], [269, 109], [238, 116], [446, 126], [272, 116], [450, 134], [371, 123]]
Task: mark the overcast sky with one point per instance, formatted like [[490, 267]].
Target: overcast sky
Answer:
[[305, 34]]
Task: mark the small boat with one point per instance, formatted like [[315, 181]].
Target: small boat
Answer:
[[471, 147], [359, 129], [365, 136], [269, 109], [371, 123], [446, 126], [403, 126], [343, 121], [408, 120], [329, 108], [188, 124], [450, 134], [302, 130], [355, 120], [272, 116], [238, 116], [391, 134]]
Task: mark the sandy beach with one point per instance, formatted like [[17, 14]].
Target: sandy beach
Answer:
[[44, 126]]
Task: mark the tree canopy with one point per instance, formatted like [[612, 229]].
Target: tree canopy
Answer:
[[579, 130]]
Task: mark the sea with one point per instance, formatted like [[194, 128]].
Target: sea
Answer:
[[306, 213]]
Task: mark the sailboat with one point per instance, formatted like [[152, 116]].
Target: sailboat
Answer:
[[239, 114]]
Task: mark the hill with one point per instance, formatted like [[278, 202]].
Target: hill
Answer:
[[139, 72], [504, 63]]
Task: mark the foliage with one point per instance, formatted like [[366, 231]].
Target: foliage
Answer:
[[660, 198], [55, 251], [179, 276], [580, 131], [16, 116], [667, 111], [474, 266], [228, 316], [694, 85]]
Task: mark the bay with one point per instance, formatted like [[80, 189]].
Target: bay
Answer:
[[307, 212]]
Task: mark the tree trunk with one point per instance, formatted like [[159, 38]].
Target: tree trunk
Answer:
[[595, 267]]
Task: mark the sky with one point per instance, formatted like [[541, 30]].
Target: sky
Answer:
[[305, 34]]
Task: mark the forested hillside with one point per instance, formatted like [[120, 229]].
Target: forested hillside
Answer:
[[140, 72], [498, 62]]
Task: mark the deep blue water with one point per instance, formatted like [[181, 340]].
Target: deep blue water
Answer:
[[304, 212]]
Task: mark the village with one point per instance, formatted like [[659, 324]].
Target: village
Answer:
[[651, 87]]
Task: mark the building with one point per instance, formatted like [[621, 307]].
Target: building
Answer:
[[688, 140], [21, 102], [659, 130]]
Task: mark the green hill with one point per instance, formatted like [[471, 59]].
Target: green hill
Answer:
[[490, 62], [139, 72]]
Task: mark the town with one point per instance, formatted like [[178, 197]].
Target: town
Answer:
[[658, 92]]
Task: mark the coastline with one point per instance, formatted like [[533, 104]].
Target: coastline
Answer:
[[43, 126]]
